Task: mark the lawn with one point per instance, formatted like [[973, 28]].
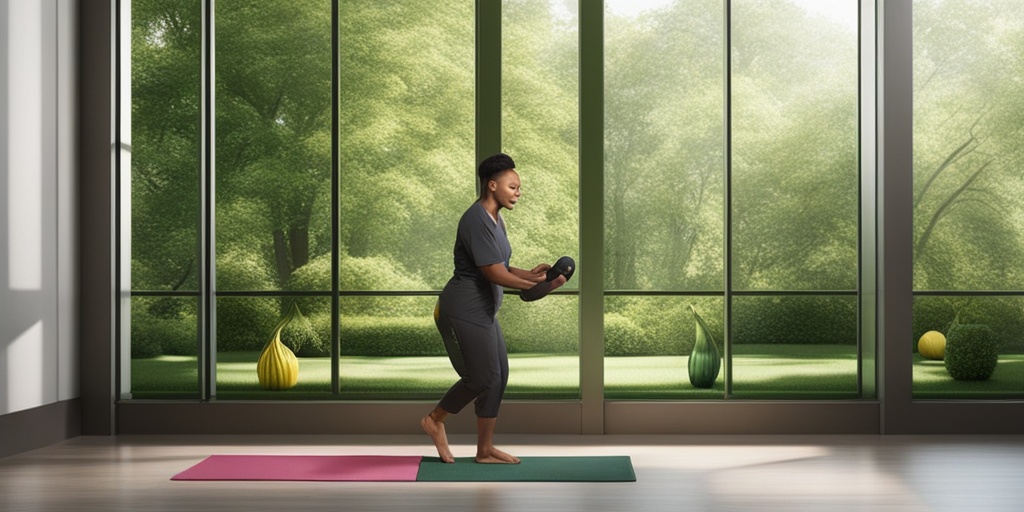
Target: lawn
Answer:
[[931, 381], [759, 371]]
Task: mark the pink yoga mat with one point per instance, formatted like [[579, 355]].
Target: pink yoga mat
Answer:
[[342, 468]]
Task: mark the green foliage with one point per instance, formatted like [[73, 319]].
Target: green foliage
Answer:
[[548, 326], [623, 337], [971, 352], [390, 336], [1005, 315], [795, 161], [320, 325], [301, 336], [165, 42], [163, 326], [407, 159], [246, 323], [968, 149], [932, 314], [242, 270], [152, 336], [640, 326], [407, 126], [663, 149], [796, 320]]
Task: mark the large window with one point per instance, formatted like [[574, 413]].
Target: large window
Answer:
[[405, 158], [663, 192], [272, 120], [308, 161], [968, 242], [164, 134]]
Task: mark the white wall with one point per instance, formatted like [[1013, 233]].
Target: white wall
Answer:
[[38, 338]]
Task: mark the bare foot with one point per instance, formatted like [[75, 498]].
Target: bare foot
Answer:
[[435, 429], [496, 456]]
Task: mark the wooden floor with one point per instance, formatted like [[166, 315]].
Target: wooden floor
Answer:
[[691, 473]]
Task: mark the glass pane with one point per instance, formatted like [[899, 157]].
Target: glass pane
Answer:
[[540, 103], [967, 199], [648, 344], [273, 150], [794, 347], [543, 345], [967, 150], [406, 140], [164, 348], [165, 96], [663, 146], [390, 348], [246, 325], [795, 144]]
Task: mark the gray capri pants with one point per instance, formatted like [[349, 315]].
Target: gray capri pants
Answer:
[[478, 355]]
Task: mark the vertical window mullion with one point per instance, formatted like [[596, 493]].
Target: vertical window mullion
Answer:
[[207, 255], [727, 190], [591, 224], [335, 209], [488, 78]]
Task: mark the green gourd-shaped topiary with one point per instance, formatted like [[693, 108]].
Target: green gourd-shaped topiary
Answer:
[[704, 362], [971, 352]]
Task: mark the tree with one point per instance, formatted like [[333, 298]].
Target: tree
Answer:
[[273, 106], [967, 145], [663, 147], [165, 44], [795, 172]]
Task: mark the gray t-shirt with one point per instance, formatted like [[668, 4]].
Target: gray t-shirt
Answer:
[[480, 241]]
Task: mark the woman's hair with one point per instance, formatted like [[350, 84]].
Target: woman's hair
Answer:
[[491, 166]]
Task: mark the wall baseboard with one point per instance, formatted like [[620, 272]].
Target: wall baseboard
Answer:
[[42, 426]]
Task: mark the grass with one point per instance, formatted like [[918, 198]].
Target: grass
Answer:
[[361, 377], [931, 381], [759, 371]]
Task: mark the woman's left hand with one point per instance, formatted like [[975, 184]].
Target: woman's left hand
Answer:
[[539, 273]]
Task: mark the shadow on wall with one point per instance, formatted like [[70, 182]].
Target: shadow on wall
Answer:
[[28, 281]]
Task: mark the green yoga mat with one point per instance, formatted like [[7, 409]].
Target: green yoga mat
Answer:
[[616, 468]]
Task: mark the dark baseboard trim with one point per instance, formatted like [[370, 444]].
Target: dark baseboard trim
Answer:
[[517, 417], [42, 426]]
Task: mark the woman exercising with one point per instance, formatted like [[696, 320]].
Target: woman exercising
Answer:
[[466, 312]]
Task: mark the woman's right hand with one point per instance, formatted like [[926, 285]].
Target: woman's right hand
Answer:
[[558, 281]]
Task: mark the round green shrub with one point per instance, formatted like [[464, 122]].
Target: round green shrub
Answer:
[[971, 352]]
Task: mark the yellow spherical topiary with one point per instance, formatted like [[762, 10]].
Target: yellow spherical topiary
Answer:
[[932, 345]]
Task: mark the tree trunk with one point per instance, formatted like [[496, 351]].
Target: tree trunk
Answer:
[[298, 240], [281, 258]]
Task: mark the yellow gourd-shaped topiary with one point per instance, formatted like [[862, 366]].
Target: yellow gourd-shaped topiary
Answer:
[[932, 345], [278, 368]]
